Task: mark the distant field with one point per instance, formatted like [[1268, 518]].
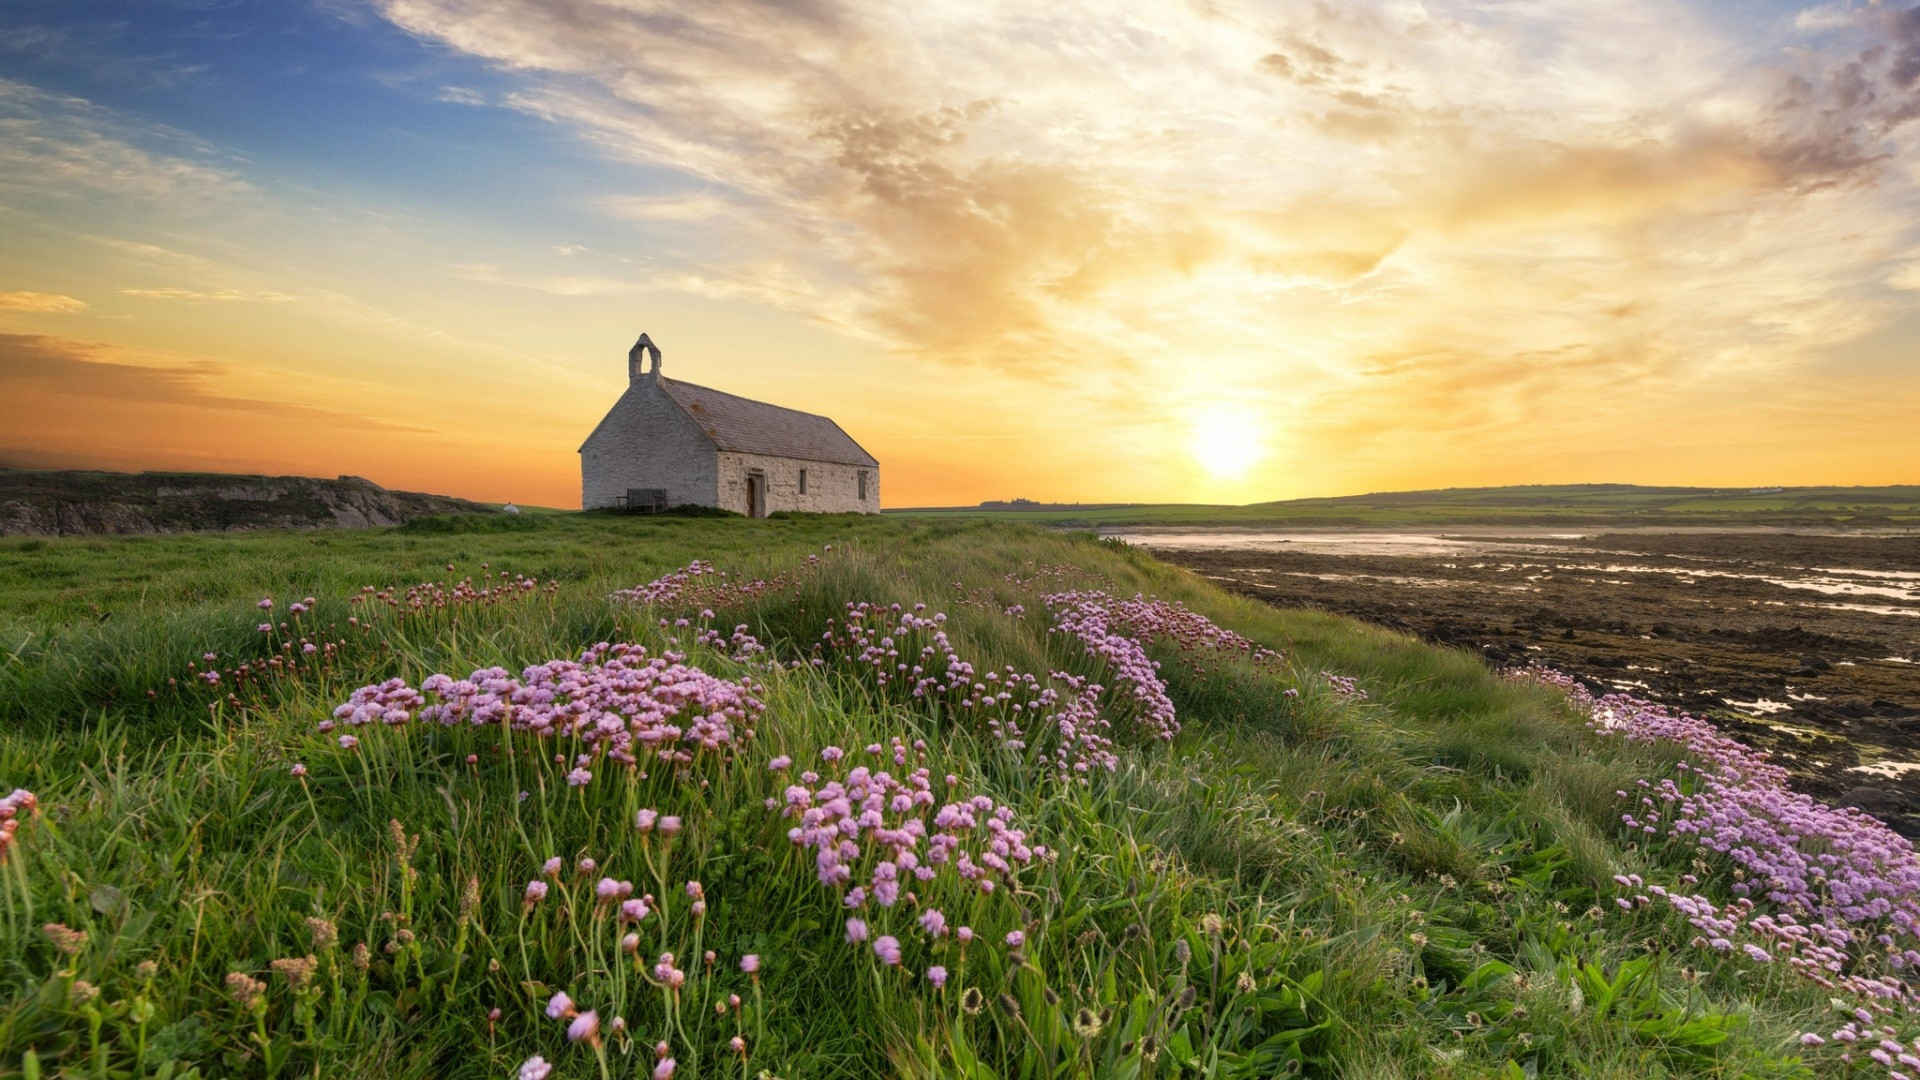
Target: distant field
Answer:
[[1611, 504]]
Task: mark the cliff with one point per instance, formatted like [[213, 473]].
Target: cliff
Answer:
[[85, 503]]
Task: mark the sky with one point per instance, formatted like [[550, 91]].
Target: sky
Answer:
[[1200, 251]]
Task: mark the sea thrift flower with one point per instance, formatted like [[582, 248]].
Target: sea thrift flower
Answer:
[[887, 949], [750, 963], [664, 1070], [559, 1006], [933, 922], [536, 892], [299, 769], [634, 910], [1015, 939], [535, 1068], [579, 778], [780, 764], [552, 866], [348, 742], [585, 1027], [856, 931], [937, 975], [644, 820], [670, 825]]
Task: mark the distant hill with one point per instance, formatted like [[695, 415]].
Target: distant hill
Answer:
[[1542, 504], [87, 503]]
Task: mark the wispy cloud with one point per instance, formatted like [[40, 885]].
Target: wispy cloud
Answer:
[[202, 296], [1037, 192], [41, 303], [92, 370], [53, 144]]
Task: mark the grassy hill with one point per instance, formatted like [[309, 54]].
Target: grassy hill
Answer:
[[1299, 846], [1556, 504]]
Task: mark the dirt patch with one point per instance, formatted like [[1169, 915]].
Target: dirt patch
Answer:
[[1806, 645]]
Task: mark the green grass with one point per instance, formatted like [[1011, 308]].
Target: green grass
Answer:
[[1620, 505], [1298, 885]]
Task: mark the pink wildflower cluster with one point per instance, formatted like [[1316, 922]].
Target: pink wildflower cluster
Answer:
[[14, 809], [698, 584], [492, 588], [1345, 686], [1843, 889], [907, 655], [880, 839], [1105, 628], [617, 700]]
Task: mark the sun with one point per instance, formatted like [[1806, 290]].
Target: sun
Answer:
[[1226, 440]]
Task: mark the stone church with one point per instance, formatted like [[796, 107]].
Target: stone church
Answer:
[[671, 443]]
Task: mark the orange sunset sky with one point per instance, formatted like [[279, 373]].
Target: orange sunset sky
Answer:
[[1186, 251]]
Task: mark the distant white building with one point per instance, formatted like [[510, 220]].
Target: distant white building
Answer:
[[671, 443]]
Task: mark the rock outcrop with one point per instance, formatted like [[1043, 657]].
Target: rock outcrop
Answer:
[[84, 503]]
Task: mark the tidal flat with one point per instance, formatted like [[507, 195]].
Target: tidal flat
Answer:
[[1805, 643]]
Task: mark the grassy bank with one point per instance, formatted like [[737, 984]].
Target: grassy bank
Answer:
[[1408, 874]]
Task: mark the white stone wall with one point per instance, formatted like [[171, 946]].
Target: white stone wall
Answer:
[[831, 488], [647, 441]]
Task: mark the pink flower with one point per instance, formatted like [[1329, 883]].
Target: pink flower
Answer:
[[634, 910], [664, 1070], [559, 1005], [586, 866], [669, 826], [299, 769], [780, 764], [578, 778], [750, 963], [737, 1044], [348, 742], [266, 603], [265, 628], [609, 889], [551, 867], [535, 1068], [965, 934], [586, 1026], [937, 975], [856, 931], [933, 922], [694, 891], [1015, 939], [887, 949], [536, 891], [644, 820]]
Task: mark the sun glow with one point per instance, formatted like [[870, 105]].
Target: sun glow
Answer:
[[1226, 440]]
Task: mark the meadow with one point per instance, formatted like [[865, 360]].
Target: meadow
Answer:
[[578, 796]]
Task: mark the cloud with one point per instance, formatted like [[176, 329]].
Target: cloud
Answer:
[[98, 371], [696, 207], [460, 95], [41, 303], [200, 296], [55, 144], [1906, 277]]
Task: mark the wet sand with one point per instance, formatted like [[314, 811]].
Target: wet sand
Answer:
[[1806, 643]]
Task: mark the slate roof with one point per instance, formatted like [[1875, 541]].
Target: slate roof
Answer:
[[745, 426]]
